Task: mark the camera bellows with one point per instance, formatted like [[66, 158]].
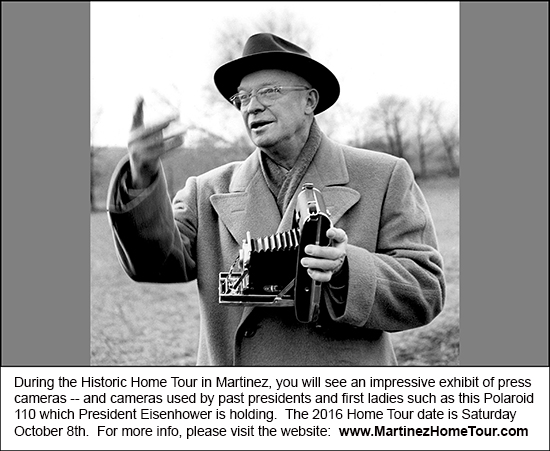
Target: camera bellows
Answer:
[[271, 261], [284, 241]]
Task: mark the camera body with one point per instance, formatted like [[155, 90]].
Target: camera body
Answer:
[[267, 271]]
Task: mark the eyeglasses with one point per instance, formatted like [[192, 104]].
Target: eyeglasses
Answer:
[[266, 96]]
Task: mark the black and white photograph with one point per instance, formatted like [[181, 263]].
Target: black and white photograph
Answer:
[[274, 184], [274, 225]]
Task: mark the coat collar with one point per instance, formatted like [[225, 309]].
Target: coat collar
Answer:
[[248, 191]]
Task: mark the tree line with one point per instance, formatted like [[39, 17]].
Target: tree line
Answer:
[[422, 132]]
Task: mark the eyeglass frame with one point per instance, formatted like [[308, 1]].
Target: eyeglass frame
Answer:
[[251, 94]]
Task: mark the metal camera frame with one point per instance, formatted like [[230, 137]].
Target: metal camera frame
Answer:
[[310, 225]]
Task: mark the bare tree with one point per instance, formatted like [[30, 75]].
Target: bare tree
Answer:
[[230, 42], [96, 116], [390, 114], [283, 23], [233, 36], [448, 133], [423, 129]]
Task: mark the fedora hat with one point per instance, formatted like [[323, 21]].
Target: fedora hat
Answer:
[[268, 51]]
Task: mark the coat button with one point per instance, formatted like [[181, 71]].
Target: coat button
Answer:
[[249, 333]]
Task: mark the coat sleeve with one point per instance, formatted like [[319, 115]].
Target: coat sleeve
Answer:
[[401, 285], [151, 245]]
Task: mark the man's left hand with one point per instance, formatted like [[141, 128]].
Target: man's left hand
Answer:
[[325, 261]]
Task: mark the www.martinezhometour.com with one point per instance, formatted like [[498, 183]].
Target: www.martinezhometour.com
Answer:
[[433, 431]]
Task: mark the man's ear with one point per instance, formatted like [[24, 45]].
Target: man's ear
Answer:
[[312, 101]]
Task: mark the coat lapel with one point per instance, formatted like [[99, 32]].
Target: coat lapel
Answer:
[[338, 200], [328, 173], [248, 193]]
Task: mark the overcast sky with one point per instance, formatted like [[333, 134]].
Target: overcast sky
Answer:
[[374, 48]]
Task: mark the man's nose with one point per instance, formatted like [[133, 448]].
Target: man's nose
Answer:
[[255, 105]]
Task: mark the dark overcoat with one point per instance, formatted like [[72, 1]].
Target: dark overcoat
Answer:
[[396, 280]]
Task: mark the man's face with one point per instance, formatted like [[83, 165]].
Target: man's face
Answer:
[[279, 123]]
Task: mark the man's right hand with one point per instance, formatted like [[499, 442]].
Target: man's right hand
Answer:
[[146, 145]]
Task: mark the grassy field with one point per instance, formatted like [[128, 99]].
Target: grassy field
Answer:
[[150, 324]]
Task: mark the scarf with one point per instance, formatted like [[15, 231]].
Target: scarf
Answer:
[[282, 182]]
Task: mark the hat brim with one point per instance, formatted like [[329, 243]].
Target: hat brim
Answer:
[[228, 77]]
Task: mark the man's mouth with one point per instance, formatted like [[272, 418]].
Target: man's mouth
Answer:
[[258, 125]]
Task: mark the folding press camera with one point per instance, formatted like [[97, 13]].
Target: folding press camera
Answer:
[[268, 272]]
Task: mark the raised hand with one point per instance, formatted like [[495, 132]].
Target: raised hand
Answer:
[[147, 144]]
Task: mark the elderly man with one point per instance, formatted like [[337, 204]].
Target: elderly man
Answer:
[[381, 271]]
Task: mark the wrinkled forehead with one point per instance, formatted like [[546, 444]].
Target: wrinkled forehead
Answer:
[[269, 77]]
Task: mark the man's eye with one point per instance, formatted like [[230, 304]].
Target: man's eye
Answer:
[[268, 91]]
